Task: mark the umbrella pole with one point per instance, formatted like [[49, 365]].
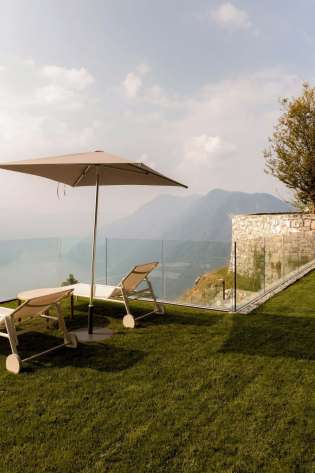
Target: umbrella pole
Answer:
[[91, 305]]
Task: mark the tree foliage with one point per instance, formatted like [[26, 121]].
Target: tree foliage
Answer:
[[70, 280], [291, 153]]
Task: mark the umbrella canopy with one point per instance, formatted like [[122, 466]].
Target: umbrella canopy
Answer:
[[80, 170], [92, 169]]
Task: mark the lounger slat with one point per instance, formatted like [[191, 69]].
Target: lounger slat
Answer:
[[137, 275]]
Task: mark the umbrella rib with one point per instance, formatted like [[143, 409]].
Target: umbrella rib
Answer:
[[160, 175], [82, 175], [137, 171]]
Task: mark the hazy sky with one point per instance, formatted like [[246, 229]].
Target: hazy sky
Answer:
[[189, 87]]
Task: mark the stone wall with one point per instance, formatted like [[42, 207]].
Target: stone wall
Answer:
[[270, 246]]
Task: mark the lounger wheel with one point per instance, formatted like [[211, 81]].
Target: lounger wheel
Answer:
[[129, 321], [13, 363], [73, 341]]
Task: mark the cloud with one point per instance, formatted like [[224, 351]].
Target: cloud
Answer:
[[204, 149], [77, 79], [136, 87], [227, 15], [62, 86], [133, 82], [143, 69], [38, 104], [156, 95], [132, 85]]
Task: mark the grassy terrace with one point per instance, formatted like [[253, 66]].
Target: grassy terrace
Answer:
[[188, 392]]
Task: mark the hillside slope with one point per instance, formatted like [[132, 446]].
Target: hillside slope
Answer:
[[195, 218]]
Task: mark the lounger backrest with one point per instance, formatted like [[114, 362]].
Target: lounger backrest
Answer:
[[38, 305], [137, 275]]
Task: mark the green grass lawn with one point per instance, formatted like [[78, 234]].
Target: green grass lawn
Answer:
[[191, 391]]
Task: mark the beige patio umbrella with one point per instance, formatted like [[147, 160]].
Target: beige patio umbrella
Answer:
[[92, 169]]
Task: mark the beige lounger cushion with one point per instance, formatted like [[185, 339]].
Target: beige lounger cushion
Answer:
[[101, 292]]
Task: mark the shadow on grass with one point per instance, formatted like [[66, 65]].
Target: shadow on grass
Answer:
[[204, 320], [97, 356], [171, 317], [272, 336]]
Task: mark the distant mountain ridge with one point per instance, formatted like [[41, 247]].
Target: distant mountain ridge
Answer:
[[196, 218], [153, 219]]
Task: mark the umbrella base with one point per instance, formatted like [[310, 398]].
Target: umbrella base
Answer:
[[99, 334]]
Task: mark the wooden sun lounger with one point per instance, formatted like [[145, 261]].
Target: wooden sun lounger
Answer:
[[35, 307]]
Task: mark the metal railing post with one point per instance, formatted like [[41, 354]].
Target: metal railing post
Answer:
[[60, 260], [106, 274], [235, 278], [264, 264], [163, 270], [282, 265]]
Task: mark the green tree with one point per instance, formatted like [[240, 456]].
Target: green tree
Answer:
[[70, 280], [291, 153]]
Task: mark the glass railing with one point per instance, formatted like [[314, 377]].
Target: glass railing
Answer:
[[193, 272], [211, 274], [183, 274], [263, 264], [28, 263]]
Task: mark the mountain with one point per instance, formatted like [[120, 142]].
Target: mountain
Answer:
[[196, 218], [153, 219]]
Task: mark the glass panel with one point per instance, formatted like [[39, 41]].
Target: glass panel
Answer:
[[263, 264], [124, 254], [28, 264], [274, 267], [298, 251], [197, 273], [75, 260], [250, 270]]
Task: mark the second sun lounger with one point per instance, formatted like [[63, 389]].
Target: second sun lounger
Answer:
[[134, 285]]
